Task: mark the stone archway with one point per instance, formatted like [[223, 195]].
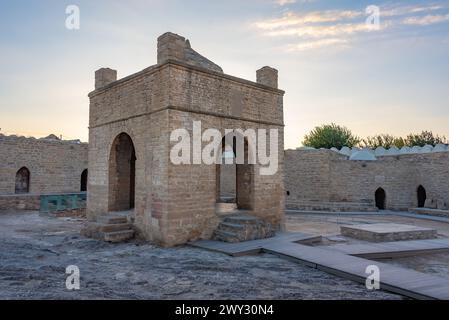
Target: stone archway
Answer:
[[83, 186], [22, 181], [421, 195], [240, 176], [122, 171], [380, 198]]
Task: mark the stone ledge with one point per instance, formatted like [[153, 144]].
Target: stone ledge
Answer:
[[157, 67], [384, 232]]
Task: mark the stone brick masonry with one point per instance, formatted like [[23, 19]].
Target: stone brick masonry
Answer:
[[176, 203], [54, 166], [324, 179]]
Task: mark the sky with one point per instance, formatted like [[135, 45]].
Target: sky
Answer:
[[335, 63]]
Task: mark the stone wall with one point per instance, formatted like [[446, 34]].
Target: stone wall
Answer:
[[228, 180], [19, 202], [55, 166], [324, 179]]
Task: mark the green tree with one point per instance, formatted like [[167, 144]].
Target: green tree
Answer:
[[425, 137], [330, 135], [383, 140]]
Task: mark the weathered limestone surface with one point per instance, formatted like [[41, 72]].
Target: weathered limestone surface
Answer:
[[173, 46], [104, 76], [176, 203], [267, 76]]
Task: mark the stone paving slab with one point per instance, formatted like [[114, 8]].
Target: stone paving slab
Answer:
[[392, 249], [254, 246], [399, 280], [395, 279]]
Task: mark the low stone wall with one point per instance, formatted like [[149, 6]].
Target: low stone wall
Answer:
[[431, 212], [73, 213], [330, 206], [19, 202]]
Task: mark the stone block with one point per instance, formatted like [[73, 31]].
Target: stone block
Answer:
[[104, 76], [385, 232], [267, 76]]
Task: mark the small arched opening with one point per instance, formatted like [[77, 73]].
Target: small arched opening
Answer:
[[83, 187], [380, 198], [421, 194], [122, 171], [22, 181]]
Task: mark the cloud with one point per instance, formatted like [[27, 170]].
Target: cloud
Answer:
[[294, 19], [425, 20], [322, 31], [317, 44], [284, 2], [406, 10], [318, 29]]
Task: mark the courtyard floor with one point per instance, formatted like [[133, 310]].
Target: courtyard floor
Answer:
[[35, 251], [329, 224]]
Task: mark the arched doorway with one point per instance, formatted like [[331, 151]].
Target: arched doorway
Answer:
[[228, 178], [421, 193], [380, 197], [235, 181], [83, 187], [22, 180], [122, 172]]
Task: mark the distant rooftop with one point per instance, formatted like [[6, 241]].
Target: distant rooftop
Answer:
[[367, 154], [50, 137]]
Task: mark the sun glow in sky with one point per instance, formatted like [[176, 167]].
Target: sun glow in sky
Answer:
[[331, 65]]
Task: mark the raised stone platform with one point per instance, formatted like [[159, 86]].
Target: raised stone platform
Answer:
[[380, 232], [431, 212]]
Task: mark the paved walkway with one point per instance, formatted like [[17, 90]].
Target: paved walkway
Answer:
[[393, 249], [403, 281], [252, 247], [407, 282]]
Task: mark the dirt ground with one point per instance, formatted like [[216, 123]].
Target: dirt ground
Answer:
[[35, 251]]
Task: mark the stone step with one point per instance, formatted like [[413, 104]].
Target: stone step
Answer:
[[112, 219], [241, 219], [243, 227], [118, 236], [229, 200], [232, 225], [226, 236], [114, 227]]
